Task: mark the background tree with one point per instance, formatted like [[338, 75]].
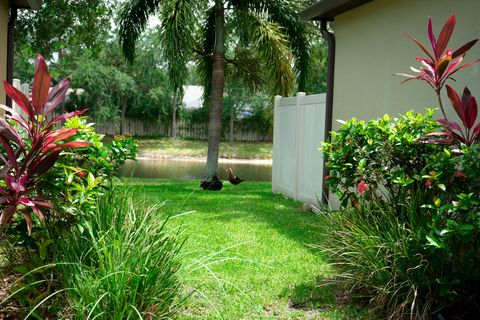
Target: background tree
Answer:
[[271, 27], [114, 89], [60, 28]]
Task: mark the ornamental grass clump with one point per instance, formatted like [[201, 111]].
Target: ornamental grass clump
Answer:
[[124, 266], [407, 236]]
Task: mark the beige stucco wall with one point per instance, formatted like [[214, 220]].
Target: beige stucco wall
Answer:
[[3, 46], [371, 48]]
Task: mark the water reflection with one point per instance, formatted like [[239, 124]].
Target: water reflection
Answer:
[[193, 169]]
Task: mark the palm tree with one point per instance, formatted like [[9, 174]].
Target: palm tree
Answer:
[[270, 28]]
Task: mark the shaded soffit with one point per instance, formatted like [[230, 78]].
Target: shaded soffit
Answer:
[[27, 4], [328, 9]]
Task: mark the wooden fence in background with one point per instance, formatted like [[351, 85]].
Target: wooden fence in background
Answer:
[[185, 130], [141, 128]]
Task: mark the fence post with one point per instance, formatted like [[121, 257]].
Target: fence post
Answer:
[[17, 84], [298, 140], [276, 105]]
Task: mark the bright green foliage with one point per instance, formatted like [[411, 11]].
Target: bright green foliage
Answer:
[[383, 153], [124, 266], [105, 86], [408, 234], [80, 177], [62, 27]]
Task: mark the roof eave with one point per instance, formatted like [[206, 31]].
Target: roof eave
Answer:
[[35, 4], [329, 9], [26, 4]]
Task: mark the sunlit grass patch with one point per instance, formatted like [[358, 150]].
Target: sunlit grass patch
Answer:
[[247, 254]]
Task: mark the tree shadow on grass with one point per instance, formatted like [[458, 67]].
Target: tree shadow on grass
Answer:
[[276, 211], [252, 202]]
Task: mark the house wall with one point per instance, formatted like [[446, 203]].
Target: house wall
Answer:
[[371, 48], [3, 46]]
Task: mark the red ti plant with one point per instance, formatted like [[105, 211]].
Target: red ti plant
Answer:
[[25, 161], [441, 63], [467, 110]]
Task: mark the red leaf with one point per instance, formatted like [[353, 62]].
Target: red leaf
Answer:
[[41, 84], [449, 124], [57, 95], [58, 135], [421, 46], [476, 132], [44, 164], [26, 201], [12, 159], [444, 36], [439, 134], [464, 66], [67, 115], [431, 35], [38, 212], [460, 51], [471, 112], [7, 131], [456, 102], [14, 116], [13, 184], [43, 204], [454, 64], [7, 215], [19, 98], [74, 144], [28, 220], [466, 96]]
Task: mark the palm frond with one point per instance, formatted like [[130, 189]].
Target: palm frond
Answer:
[[177, 37], [297, 31], [133, 18], [272, 46]]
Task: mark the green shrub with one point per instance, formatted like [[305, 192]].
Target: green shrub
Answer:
[[408, 234], [381, 155], [124, 266]]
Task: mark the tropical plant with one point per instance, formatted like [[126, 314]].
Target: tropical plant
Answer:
[[378, 158], [442, 63], [272, 28], [467, 110], [407, 234], [24, 163]]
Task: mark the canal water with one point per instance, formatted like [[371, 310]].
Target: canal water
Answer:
[[185, 169]]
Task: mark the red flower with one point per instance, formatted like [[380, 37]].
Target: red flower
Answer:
[[429, 183], [80, 173], [362, 187], [459, 174]]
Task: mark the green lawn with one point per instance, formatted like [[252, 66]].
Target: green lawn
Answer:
[[247, 252], [169, 147]]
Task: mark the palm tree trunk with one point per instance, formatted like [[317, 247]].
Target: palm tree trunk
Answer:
[[232, 113], [216, 97], [123, 101], [174, 114]]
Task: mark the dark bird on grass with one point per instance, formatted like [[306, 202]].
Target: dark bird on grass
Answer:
[[214, 185], [232, 178]]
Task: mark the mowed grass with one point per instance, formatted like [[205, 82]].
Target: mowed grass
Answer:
[[247, 253], [169, 147]]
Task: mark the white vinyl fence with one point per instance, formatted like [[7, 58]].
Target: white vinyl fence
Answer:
[[299, 125]]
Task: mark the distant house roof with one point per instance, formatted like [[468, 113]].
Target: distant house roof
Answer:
[[26, 4], [193, 97], [328, 9]]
